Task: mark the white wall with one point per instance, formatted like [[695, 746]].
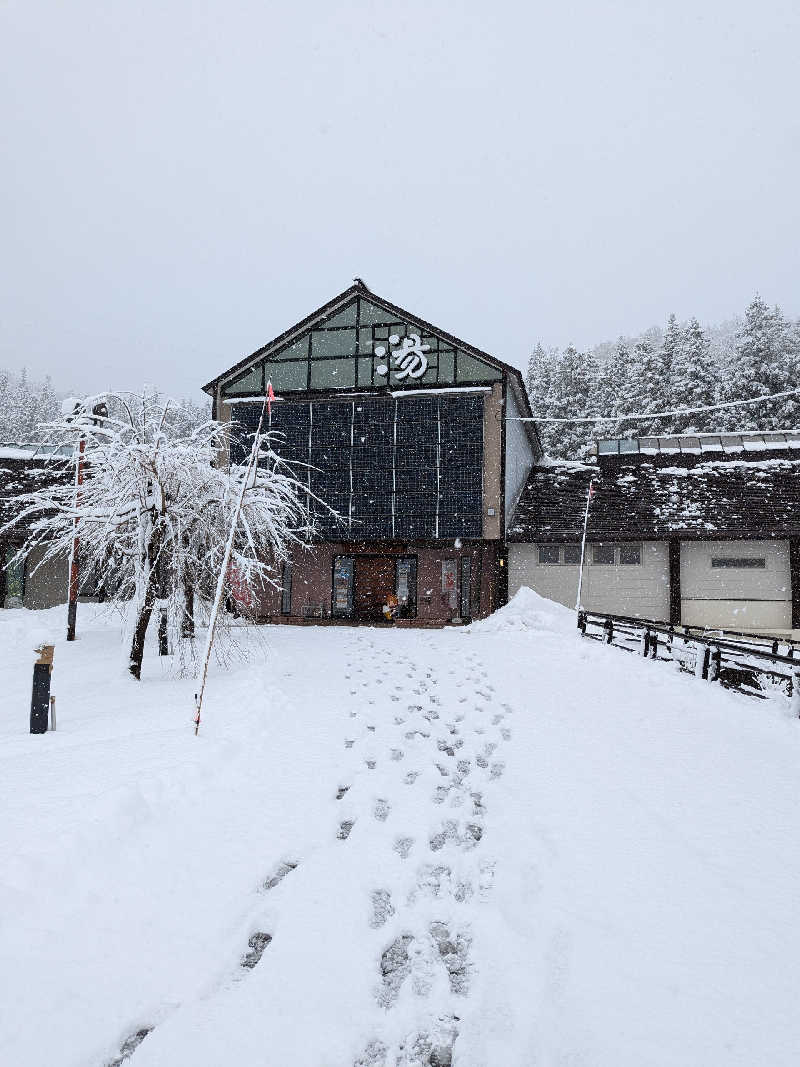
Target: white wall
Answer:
[[519, 455], [735, 598], [45, 583], [641, 591]]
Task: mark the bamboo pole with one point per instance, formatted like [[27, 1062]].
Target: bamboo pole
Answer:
[[212, 623]]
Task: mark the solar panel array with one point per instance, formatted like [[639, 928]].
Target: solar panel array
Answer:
[[407, 468]]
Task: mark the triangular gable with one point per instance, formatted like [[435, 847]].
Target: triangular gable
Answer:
[[360, 341]]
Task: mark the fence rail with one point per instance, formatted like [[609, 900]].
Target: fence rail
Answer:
[[735, 660]]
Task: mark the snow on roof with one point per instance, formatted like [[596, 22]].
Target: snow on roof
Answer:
[[699, 443], [738, 497], [16, 450]]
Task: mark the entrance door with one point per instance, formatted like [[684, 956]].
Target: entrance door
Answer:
[[375, 581]]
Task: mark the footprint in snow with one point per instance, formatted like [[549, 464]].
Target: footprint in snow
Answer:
[[257, 942], [381, 810], [497, 770], [403, 846], [505, 733], [287, 866], [395, 967], [382, 908], [345, 828], [340, 792], [454, 954], [130, 1045]]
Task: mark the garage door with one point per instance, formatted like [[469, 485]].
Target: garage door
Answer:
[[736, 585]]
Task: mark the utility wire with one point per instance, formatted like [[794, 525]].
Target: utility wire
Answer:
[[661, 414]]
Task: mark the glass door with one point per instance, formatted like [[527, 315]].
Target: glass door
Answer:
[[342, 605]]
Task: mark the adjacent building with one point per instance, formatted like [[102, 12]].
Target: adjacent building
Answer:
[[28, 582], [401, 429], [694, 530]]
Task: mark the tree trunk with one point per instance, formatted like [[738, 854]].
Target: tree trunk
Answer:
[[139, 633], [146, 610], [163, 633], [187, 623]]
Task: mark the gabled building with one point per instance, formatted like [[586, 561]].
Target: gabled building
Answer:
[[400, 428], [694, 530]]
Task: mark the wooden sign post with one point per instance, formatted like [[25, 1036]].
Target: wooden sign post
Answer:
[[40, 697]]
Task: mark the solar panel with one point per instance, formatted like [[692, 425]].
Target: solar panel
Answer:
[[393, 468]]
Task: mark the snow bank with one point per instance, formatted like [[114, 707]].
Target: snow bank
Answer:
[[527, 610]]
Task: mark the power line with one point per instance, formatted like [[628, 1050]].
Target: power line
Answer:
[[661, 414]]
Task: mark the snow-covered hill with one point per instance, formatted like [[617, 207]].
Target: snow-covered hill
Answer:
[[500, 845]]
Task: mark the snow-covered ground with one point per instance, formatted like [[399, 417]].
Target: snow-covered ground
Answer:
[[504, 841]]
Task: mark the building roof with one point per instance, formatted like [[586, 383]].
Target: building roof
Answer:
[[653, 498], [21, 471], [332, 306]]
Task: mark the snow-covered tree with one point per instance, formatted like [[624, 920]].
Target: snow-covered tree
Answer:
[[694, 379], [765, 361], [154, 513], [541, 368], [613, 390], [572, 393], [649, 387]]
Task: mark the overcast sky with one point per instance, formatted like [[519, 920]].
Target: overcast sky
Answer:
[[181, 181]]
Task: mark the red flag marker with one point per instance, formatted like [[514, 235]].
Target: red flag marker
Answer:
[[270, 397]]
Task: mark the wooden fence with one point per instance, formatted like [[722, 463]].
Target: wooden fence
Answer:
[[749, 663]]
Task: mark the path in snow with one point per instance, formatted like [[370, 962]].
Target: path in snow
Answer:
[[391, 848]]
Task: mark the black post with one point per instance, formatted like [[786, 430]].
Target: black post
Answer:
[[715, 662], [794, 578], [654, 645], [582, 622], [40, 696], [646, 643], [706, 658], [608, 626], [674, 581]]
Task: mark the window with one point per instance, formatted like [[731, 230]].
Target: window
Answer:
[[333, 374], [630, 554], [289, 377], [406, 587], [332, 343], [548, 553], [603, 554], [572, 554], [742, 562], [343, 585], [251, 383], [286, 591]]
